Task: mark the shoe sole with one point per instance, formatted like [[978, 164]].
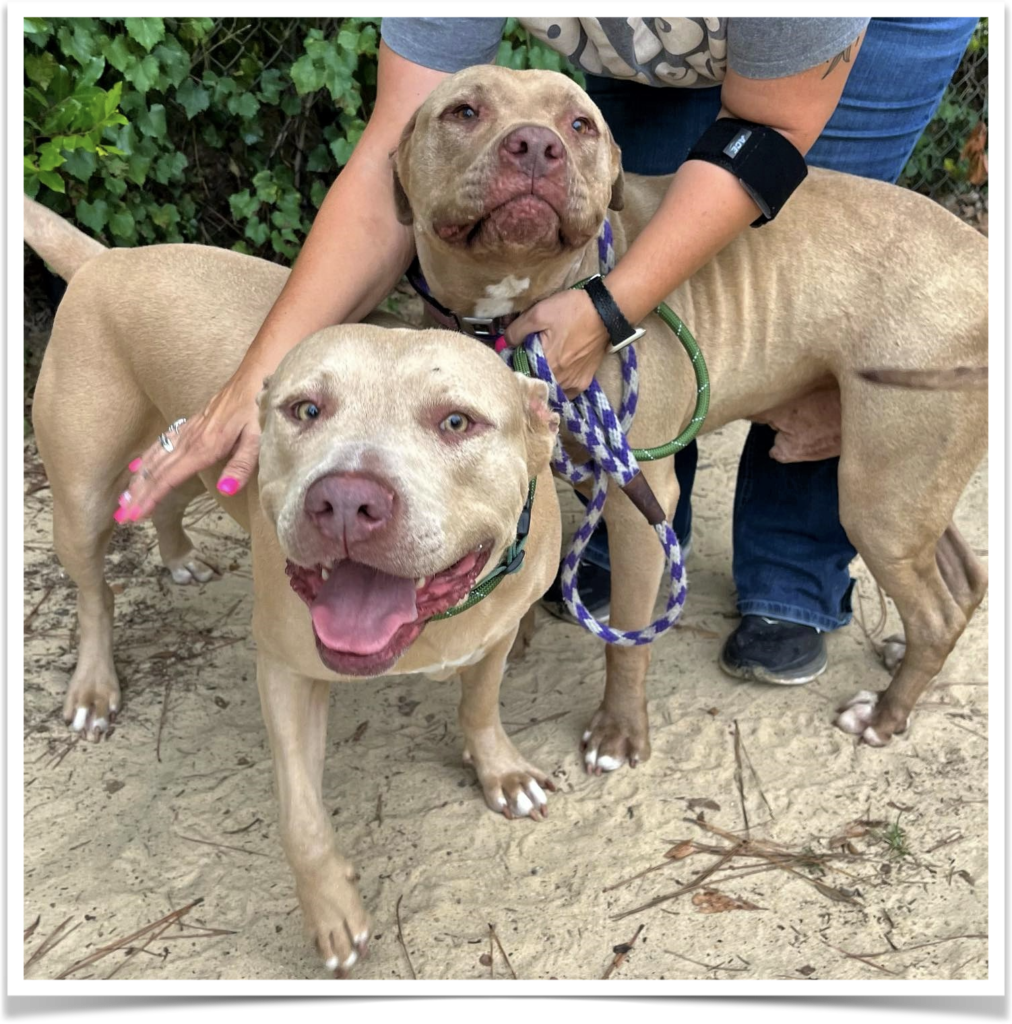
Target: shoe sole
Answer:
[[759, 674]]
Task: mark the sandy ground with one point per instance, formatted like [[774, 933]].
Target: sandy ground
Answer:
[[178, 804]]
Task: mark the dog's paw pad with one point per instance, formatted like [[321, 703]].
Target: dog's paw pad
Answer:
[[862, 716], [613, 741]]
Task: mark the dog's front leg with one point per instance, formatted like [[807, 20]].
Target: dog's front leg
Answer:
[[512, 786], [619, 732], [295, 710]]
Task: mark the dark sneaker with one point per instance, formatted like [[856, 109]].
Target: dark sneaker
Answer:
[[770, 651], [594, 585]]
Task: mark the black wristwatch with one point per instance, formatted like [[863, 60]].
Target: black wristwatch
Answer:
[[620, 331]]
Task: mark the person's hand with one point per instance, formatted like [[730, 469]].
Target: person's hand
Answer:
[[573, 336], [228, 426]]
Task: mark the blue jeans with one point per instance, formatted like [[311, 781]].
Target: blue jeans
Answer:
[[791, 555]]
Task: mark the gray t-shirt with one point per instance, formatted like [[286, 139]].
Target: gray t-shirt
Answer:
[[683, 52]]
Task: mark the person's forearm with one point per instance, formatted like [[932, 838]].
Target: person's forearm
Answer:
[[351, 260], [704, 208], [357, 249]]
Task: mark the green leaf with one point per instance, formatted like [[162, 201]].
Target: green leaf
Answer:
[[257, 232], [243, 205], [246, 105], [142, 74], [174, 59], [78, 40], [196, 29], [342, 150], [40, 68], [147, 31], [52, 180], [152, 121], [291, 104], [112, 98], [306, 76], [319, 159], [50, 157], [93, 71], [31, 185], [122, 224], [170, 167], [317, 192], [166, 216], [81, 164], [347, 39], [272, 84], [266, 187], [93, 215], [38, 30], [194, 98], [116, 186], [137, 168], [118, 53]]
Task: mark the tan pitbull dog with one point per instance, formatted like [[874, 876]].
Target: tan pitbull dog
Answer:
[[507, 177], [394, 466]]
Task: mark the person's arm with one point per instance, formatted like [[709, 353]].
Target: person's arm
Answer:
[[704, 208], [353, 256], [356, 250]]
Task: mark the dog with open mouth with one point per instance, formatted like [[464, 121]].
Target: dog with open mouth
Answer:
[[395, 472]]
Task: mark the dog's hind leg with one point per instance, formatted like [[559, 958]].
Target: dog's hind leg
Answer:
[[180, 556], [896, 504], [619, 732]]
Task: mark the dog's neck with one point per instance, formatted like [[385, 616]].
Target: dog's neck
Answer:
[[488, 296]]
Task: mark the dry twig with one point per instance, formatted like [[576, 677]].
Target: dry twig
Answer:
[[621, 952], [400, 938]]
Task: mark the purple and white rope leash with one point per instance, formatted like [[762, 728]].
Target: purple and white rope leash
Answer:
[[593, 423]]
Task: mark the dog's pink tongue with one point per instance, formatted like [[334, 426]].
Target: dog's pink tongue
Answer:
[[359, 608]]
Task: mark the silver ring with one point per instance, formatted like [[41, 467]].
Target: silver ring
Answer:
[[176, 424], [166, 443]]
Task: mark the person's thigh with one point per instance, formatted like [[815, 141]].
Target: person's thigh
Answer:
[[894, 88]]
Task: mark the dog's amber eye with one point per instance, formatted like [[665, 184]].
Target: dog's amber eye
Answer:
[[581, 125], [464, 112], [305, 411], [455, 423]]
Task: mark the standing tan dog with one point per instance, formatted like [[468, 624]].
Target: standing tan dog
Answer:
[[507, 203], [394, 467]]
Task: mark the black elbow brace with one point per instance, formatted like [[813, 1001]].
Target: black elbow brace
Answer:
[[765, 163]]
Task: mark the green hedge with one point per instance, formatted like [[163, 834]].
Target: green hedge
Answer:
[[226, 132]]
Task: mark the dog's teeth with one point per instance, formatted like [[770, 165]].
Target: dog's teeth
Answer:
[[419, 583], [325, 573]]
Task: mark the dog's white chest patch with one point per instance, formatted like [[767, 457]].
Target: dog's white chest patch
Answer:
[[445, 669], [499, 297]]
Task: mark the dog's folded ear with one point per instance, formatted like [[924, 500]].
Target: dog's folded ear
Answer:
[[542, 424], [398, 161]]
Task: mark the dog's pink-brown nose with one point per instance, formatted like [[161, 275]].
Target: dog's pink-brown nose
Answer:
[[348, 507], [535, 151]]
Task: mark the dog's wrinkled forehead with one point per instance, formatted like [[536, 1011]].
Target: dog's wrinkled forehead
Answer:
[[381, 369], [530, 96]]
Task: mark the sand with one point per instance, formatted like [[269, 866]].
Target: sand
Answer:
[[178, 803]]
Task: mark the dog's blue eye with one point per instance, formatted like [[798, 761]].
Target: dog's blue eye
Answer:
[[465, 112], [455, 423], [305, 411], [580, 125]]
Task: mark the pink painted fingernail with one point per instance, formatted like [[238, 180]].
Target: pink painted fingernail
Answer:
[[135, 465], [120, 515], [228, 485], [124, 499]]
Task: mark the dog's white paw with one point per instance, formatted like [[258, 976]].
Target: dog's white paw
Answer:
[[334, 915], [92, 702], [511, 785], [860, 717], [613, 740], [893, 649], [191, 568]]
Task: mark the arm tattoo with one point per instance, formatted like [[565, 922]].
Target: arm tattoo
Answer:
[[844, 56]]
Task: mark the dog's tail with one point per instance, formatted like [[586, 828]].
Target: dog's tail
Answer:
[[957, 378], [57, 241]]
